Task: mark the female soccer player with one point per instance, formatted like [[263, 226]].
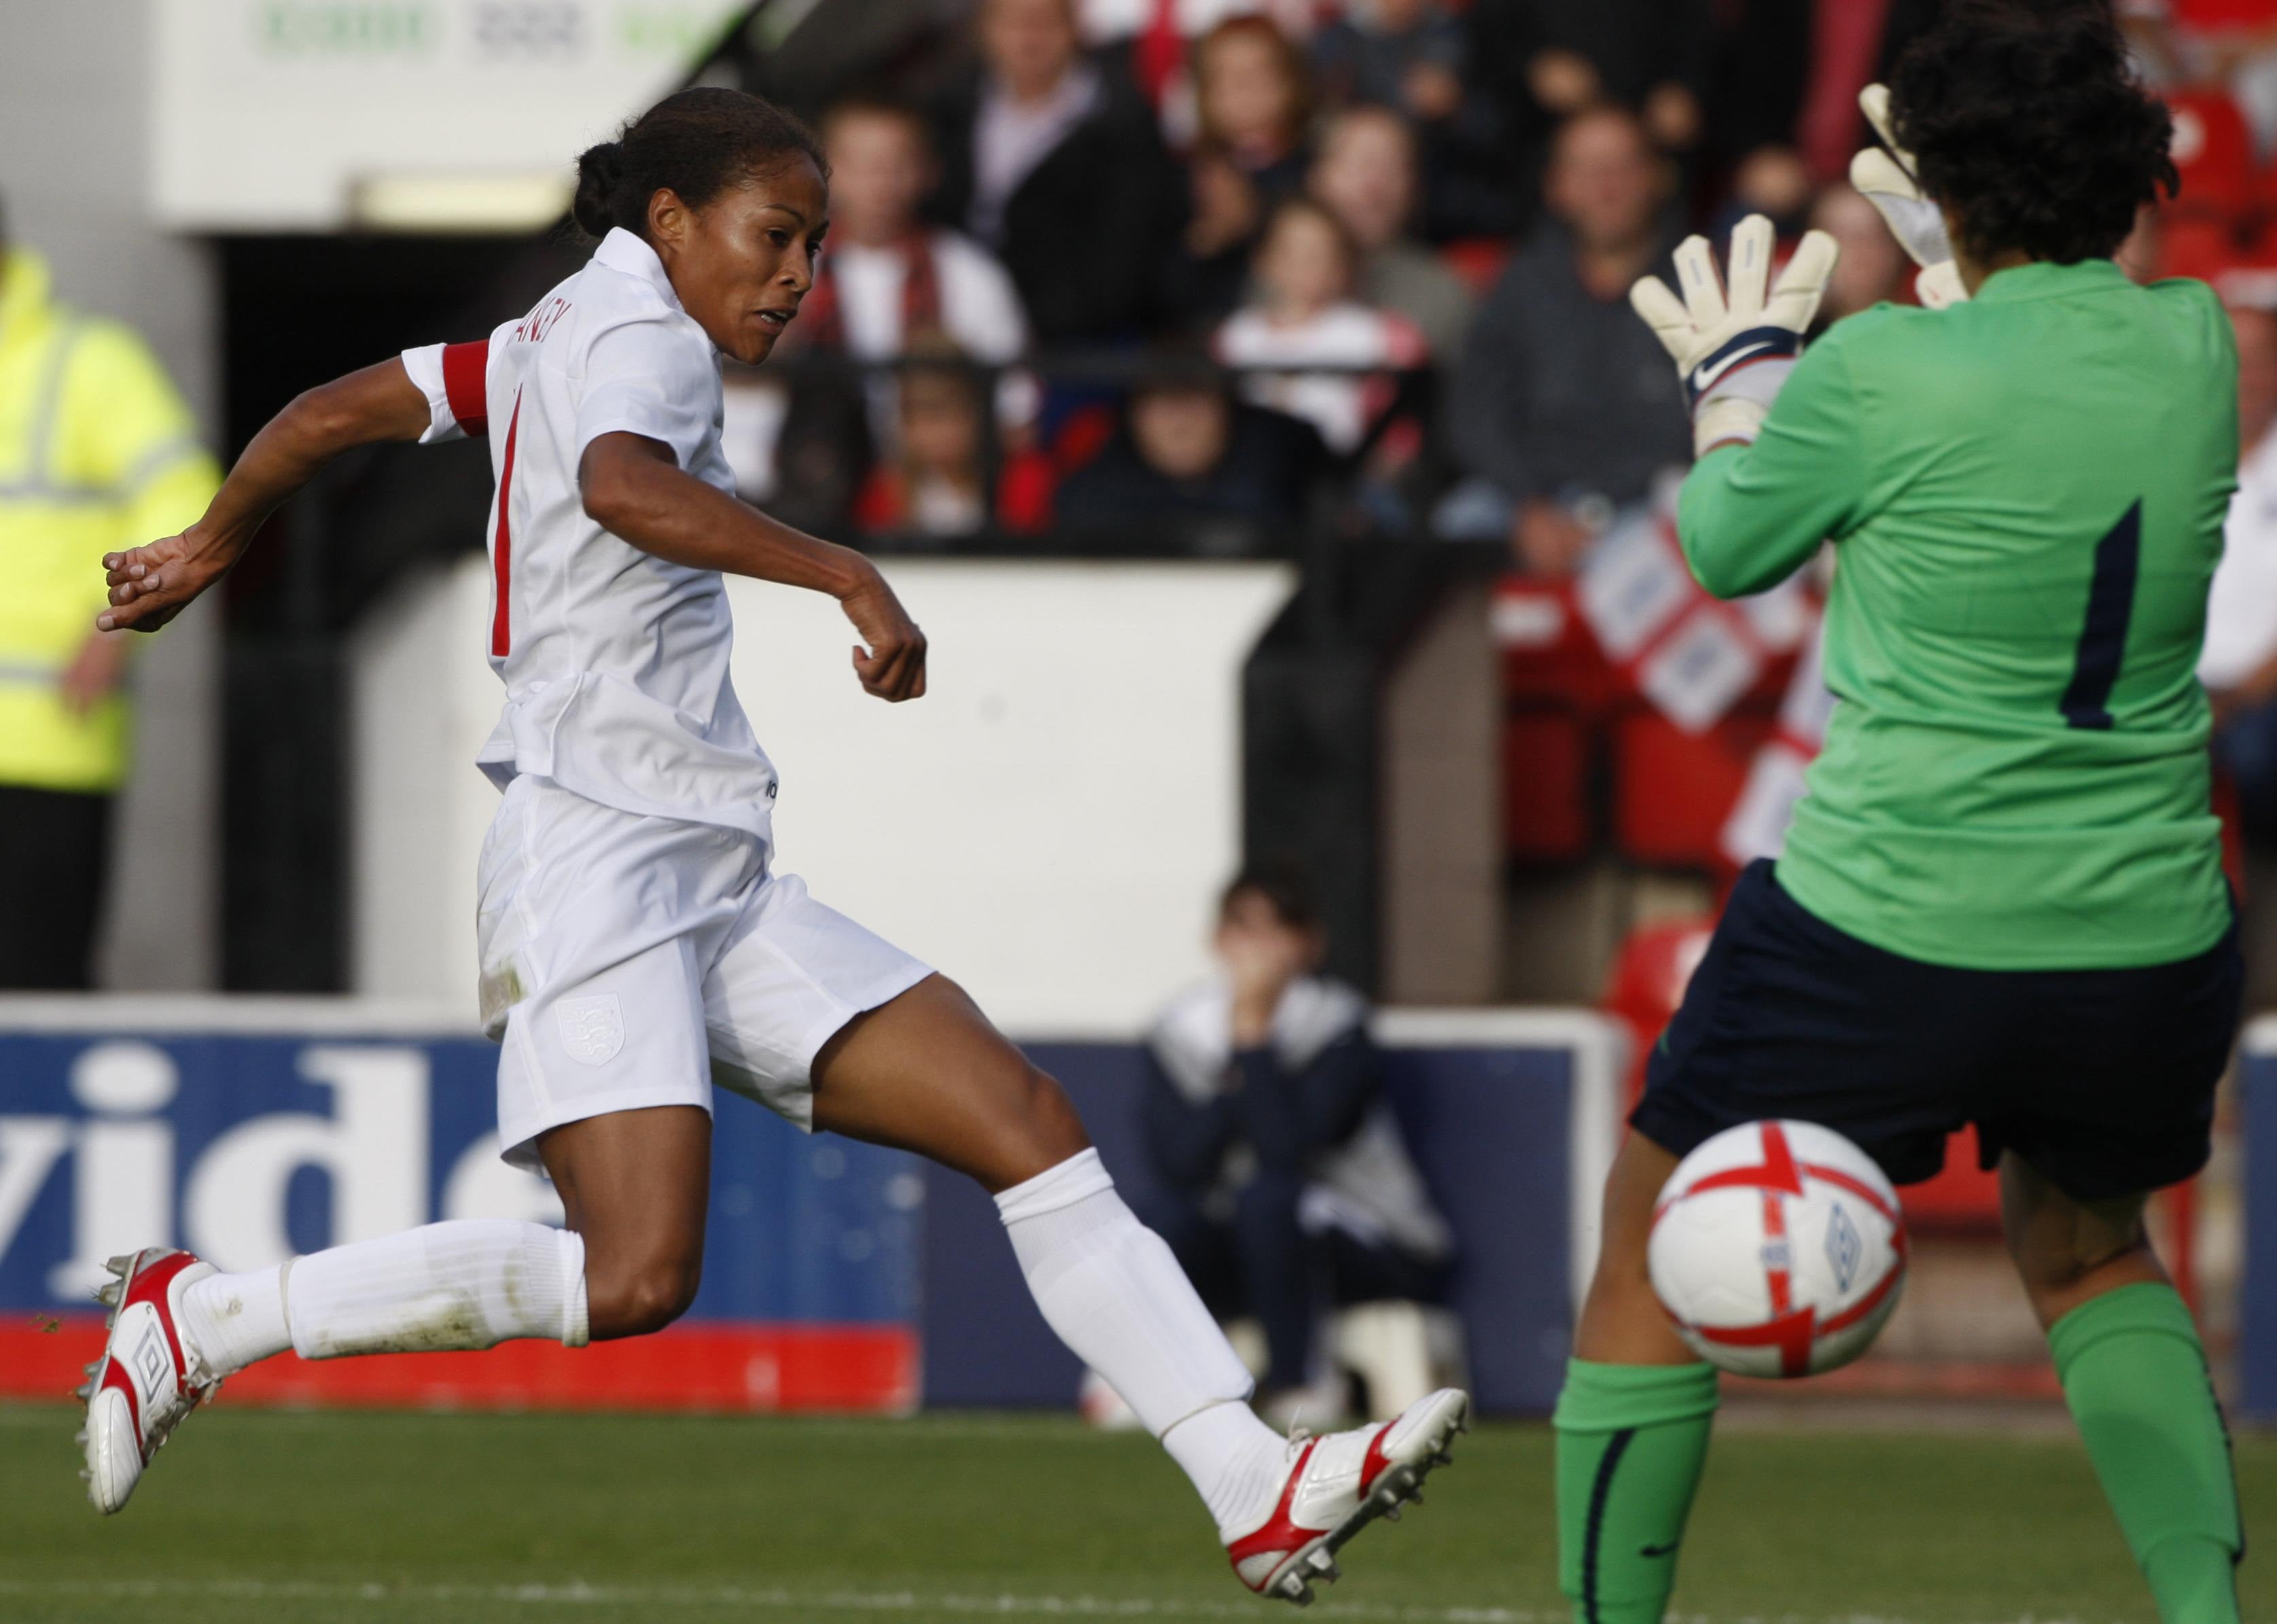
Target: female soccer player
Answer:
[[635, 941], [2001, 901]]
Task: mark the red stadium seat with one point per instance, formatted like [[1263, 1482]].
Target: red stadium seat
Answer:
[[1545, 785], [1673, 790], [1477, 260], [2214, 150], [1649, 975]]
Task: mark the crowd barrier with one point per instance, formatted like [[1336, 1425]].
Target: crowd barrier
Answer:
[[838, 1275]]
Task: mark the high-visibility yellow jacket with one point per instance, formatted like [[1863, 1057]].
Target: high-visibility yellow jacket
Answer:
[[97, 452]]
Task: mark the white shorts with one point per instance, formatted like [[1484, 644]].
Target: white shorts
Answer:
[[630, 962]]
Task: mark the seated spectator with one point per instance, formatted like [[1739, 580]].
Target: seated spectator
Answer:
[[1057, 167], [1253, 96], [1558, 414], [1304, 314], [934, 481], [1188, 456], [887, 284], [1367, 176], [888, 280], [2239, 666], [1872, 268], [1286, 1189]]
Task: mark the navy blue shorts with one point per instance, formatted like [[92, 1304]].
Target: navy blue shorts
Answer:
[[2102, 1079]]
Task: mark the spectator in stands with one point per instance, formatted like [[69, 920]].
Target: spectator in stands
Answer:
[[888, 283], [101, 454], [888, 280], [1367, 176], [1303, 314], [1253, 96], [1056, 166], [934, 481], [1285, 1187], [1542, 62], [1872, 269], [1188, 457], [2239, 666], [1151, 41], [1558, 414]]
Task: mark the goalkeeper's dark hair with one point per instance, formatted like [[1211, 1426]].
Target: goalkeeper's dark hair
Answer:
[[2028, 123]]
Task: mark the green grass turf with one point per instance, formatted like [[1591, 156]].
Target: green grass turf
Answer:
[[281, 1517]]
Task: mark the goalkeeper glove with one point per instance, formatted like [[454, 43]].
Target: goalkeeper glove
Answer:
[[1735, 351], [1890, 183]]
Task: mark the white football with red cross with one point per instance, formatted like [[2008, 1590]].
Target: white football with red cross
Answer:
[[1778, 1249]]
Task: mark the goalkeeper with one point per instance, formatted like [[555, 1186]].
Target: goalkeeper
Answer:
[[2002, 901]]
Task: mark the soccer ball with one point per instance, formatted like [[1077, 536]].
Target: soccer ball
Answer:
[[1778, 1249]]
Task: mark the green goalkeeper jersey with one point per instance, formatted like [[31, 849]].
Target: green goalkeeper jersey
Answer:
[[2027, 494]]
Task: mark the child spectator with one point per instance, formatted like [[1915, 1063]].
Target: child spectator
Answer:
[[887, 280], [935, 480], [1411, 57], [1305, 314], [1188, 459], [1254, 96], [1366, 177]]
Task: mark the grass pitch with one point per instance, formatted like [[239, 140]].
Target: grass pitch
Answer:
[[359, 1518]]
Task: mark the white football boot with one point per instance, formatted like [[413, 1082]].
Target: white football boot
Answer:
[[1339, 1485], [146, 1380]]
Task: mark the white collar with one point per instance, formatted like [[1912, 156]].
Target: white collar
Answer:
[[622, 251]]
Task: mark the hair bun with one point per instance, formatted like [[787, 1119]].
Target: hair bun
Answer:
[[599, 170]]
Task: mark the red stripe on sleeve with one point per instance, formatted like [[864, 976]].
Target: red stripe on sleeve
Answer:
[[464, 367], [502, 547]]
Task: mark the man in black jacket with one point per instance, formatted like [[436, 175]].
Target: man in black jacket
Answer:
[[1056, 165]]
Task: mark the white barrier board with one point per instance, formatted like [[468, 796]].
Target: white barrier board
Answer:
[[1049, 825]]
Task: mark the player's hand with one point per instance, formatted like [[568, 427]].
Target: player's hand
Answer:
[[1735, 338], [892, 666], [152, 583], [1890, 182]]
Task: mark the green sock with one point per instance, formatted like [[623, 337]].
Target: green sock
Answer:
[[1631, 1440], [2135, 1375]]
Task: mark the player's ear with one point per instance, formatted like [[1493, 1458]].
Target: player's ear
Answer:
[[669, 218]]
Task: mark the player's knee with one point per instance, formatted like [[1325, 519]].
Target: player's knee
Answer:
[[638, 1300], [1049, 1129]]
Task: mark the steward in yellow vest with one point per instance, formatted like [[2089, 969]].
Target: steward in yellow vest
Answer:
[[97, 453]]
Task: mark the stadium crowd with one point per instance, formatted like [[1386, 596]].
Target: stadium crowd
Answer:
[[1409, 226]]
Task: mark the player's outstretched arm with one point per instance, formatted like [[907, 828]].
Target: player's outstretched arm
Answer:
[[152, 583], [634, 488]]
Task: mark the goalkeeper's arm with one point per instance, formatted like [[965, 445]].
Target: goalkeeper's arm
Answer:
[[1751, 516]]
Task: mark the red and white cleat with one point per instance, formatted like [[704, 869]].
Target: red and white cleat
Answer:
[[1339, 1485], [145, 1381]]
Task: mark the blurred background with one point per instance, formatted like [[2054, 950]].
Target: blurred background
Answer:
[[1245, 398]]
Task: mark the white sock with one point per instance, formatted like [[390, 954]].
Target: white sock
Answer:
[[469, 1283], [232, 1321], [1238, 1462], [1112, 1290]]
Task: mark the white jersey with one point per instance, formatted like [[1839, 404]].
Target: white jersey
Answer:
[[614, 661]]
